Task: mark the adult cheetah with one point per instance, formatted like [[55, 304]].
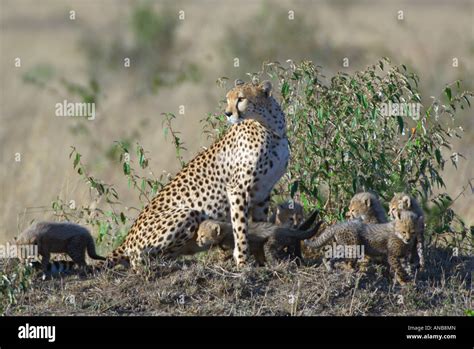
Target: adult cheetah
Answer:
[[231, 180]]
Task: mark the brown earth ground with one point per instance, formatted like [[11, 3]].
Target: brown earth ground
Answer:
[[204, 285]]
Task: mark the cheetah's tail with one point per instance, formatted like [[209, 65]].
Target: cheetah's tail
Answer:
[[309, 233], [300, 234], [91, 250], [307, 223], [323, 238]]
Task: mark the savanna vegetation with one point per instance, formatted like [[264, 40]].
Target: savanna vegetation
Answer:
[[341, 143]]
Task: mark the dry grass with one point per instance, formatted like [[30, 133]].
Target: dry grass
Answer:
[[201, 285]]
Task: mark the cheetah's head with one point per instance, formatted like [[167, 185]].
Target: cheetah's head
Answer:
[[209, 234], [361, 205], [399, 202], [254, 101], [407, 225], [289, 214], [358, 207]]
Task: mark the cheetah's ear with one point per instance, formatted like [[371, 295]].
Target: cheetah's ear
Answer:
[[406, 201], [238, 82], [217, 230], [266, 87], [368, 202], [398, 215]]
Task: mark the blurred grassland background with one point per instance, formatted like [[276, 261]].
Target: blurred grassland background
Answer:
[[176, 63]]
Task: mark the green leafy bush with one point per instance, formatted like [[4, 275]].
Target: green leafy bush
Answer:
[[14, 280], [341, 143]]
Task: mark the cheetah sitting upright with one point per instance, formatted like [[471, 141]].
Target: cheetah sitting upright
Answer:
[[231, 180]]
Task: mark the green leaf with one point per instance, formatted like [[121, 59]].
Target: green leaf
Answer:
[[294, 188], [77, 159], [401, 124], [126, 168], [285, 90], [447, 90], [438, 156]]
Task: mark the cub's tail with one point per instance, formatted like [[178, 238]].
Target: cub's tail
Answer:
[[323, 238], [309, 222], [91, 249]]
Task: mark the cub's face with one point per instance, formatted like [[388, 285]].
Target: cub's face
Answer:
[[399, 202], [358, 208], [289, 215], [209, 233], [407, 225], [248, 101]]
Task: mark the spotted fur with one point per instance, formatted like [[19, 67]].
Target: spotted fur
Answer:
[[404, 202], [392, 240], [367, 206], [279, 241], [231, 180]]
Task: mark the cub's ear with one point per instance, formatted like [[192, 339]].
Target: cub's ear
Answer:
[[368, 202], [217, 230], [398, 214], [238, 82], [406, 201], [266, 87]]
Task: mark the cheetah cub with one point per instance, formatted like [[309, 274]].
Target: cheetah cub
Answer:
[[283, 242], [391, 240], [289, 213], [66, 237], [405, 202], [367, 207]]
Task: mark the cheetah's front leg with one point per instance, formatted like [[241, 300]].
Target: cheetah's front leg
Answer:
[[400, 273], [238, 201], [259, 211]]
